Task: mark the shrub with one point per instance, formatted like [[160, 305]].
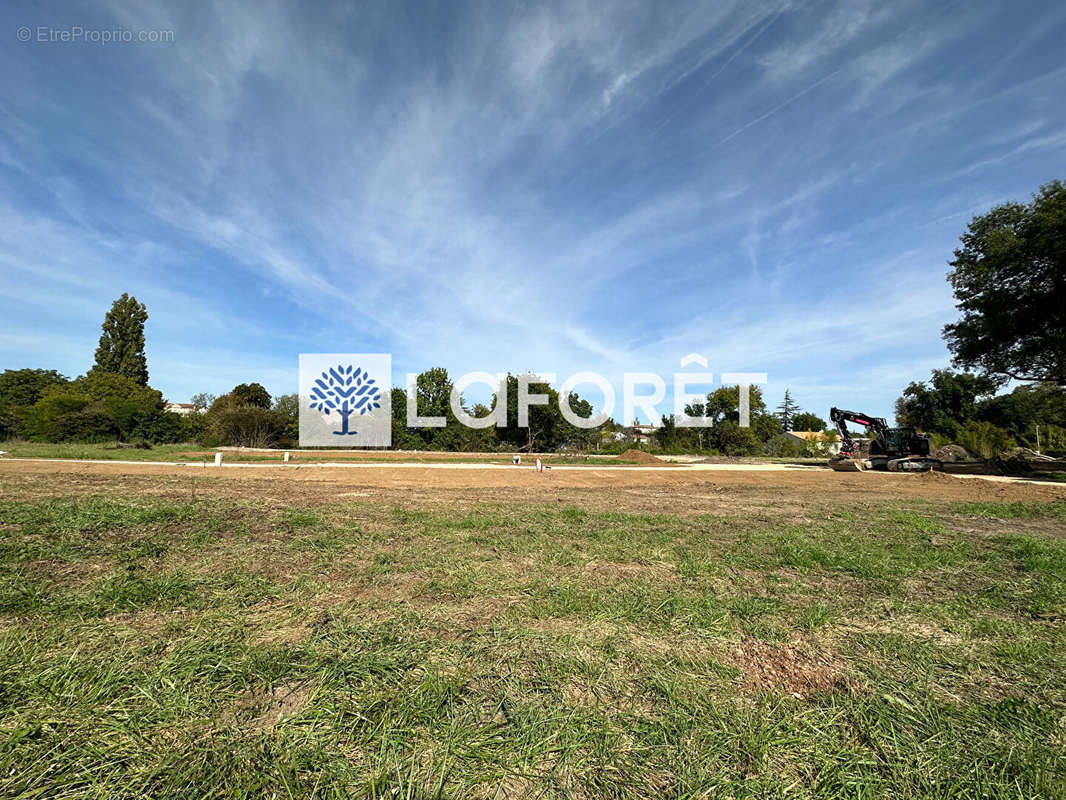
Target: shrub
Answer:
[[784, 446], [159, 427], [733, 440], [985, 439], [245, 426], [96, 406], [90, 424], [41, 421]]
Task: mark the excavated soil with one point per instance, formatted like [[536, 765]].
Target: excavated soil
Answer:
[[640, 457], [635, 489]]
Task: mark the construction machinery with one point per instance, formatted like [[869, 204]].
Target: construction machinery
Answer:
[[893, 449]]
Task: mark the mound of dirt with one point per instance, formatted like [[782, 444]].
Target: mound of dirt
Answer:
[[951, 453], [640, 457], [931, 476]]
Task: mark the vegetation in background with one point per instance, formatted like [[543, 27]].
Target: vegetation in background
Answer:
[[946, 404], [121, 348], [1009, 279], [787, 411], [984, 439]]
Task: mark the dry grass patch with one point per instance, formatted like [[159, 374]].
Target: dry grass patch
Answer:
[[262, 710], [798, 668]]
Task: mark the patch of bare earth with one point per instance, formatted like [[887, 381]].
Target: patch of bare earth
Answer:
[[260, 711], [795, 668]]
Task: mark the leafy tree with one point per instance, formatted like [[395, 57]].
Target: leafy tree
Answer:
[[121, 348], [287, 408], [476, 440], [724, 403], [433, 390], [786, 412], [24, 387], [668, 434], [806, 421], [90, 424], [202, 401], [403, 438], [45, 419], [161, 427], [785, 446], [765, 426], [251, 394], [1009, 279], [945, 404], [694, 437], [548, 428], [570, 434], [106, 386]]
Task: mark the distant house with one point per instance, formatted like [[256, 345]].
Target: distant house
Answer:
[[181, 408], [643, 433], [823, 441]]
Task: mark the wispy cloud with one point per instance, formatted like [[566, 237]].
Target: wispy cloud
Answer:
[[555, 187]]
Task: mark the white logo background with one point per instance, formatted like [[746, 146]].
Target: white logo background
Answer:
[[366, 426]]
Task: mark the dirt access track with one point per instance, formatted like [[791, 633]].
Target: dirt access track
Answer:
[[665, 488]]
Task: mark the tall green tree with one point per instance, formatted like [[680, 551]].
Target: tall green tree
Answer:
[[786, 412], [1009, 278], [806, 421], [121, 348]]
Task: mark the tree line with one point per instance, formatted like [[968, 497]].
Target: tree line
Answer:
[[1009, 282]]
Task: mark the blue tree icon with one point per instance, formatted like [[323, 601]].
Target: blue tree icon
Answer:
[[347, 391]]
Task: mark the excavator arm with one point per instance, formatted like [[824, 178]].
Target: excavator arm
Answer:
[[842, 417], [894, 449]]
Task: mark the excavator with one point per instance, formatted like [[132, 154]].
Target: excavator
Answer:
[[893, 449]]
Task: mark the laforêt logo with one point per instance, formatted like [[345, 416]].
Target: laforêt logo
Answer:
[[345, 400], [347, 390]]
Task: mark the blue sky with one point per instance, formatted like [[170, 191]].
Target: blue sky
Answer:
[[500, 186]]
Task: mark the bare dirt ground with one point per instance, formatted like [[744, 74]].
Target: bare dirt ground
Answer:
[[673, 491]]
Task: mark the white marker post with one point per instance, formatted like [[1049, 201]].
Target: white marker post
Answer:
[[286, 456], [218, 459]]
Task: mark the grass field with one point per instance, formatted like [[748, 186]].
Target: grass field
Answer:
[[113, 451], [193, 639]]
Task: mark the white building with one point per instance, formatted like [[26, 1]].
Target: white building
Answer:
[[180, 408]]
